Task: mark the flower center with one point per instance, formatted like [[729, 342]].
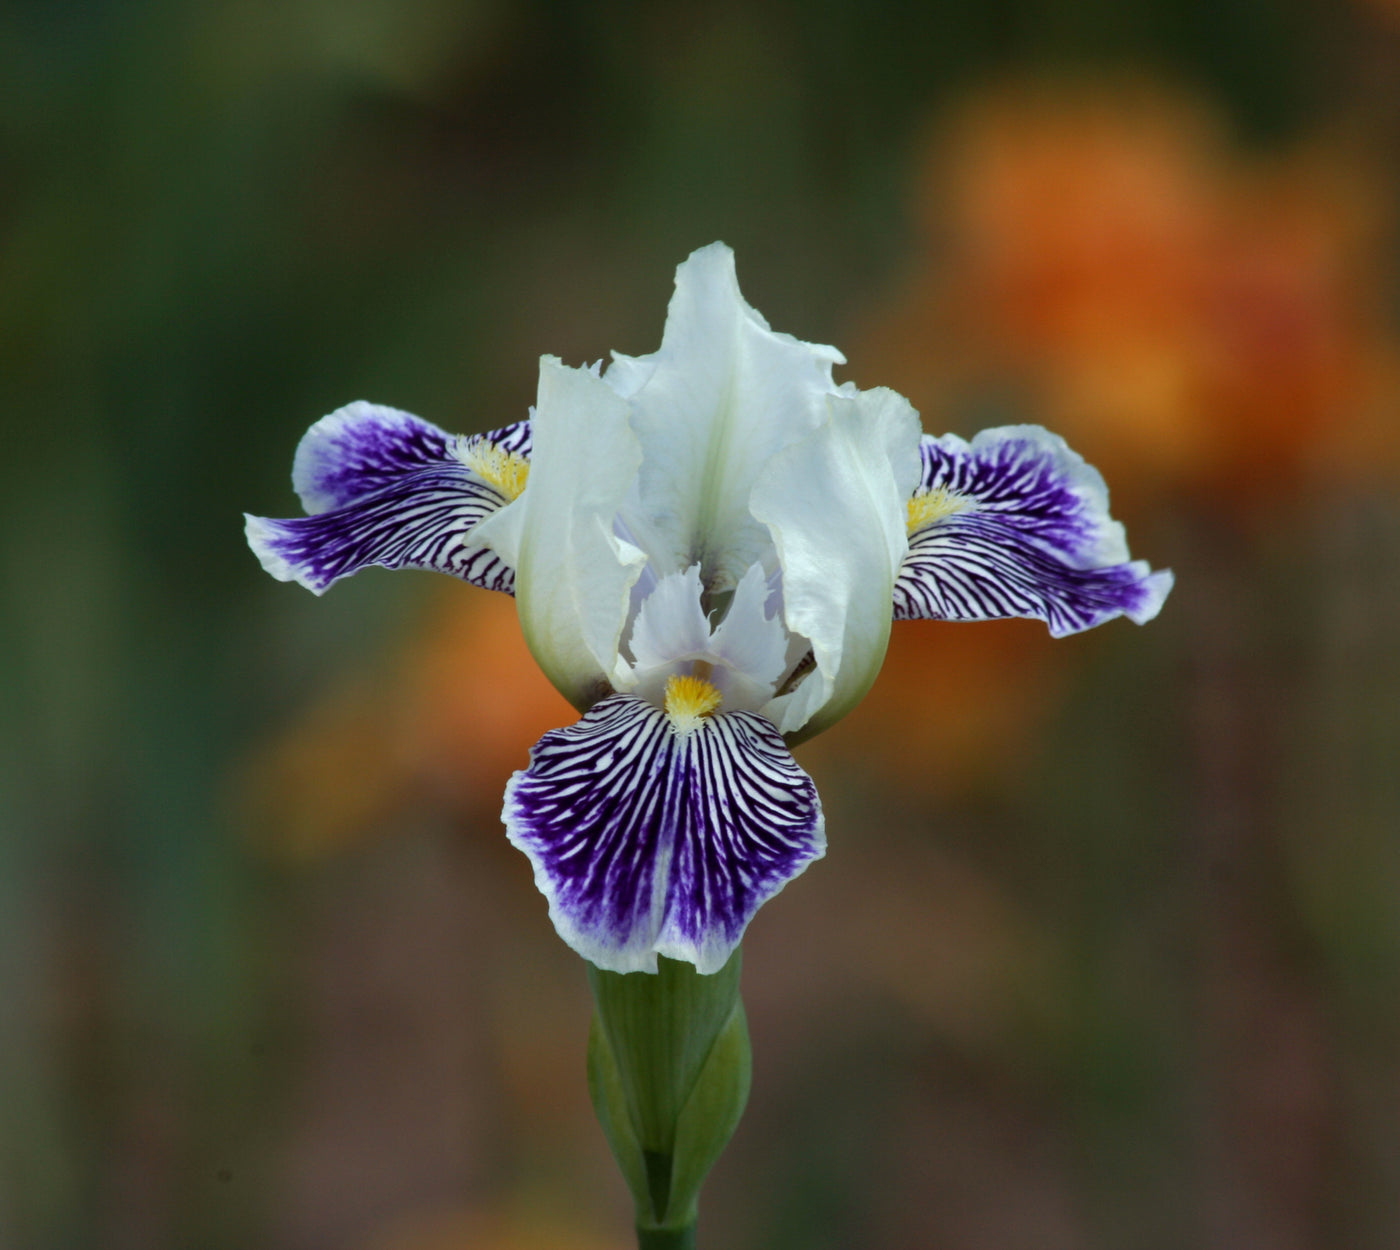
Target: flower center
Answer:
[[928, 506], [689, 700], [507, 471]]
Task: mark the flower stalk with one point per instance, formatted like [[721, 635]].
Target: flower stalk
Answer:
[[668, 1069]]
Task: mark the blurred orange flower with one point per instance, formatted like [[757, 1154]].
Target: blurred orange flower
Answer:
[[452, 714], [1098, 260]]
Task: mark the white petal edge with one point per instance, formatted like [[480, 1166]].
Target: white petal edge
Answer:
[[670, 623], [748, 640]]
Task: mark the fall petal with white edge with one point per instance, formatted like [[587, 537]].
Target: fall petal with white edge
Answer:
[[661, 832], [1015, 523], [384, 488]]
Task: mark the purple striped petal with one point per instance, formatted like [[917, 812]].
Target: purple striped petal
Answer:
[[1016, 524], [384, 488], [363, 448], [650, 841]]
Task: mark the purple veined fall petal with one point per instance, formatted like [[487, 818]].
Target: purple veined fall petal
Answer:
[[1014, 523], [657, 833], [385, 488]]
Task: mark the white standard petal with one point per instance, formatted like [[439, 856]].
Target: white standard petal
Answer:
[[720, 397], [836, 504], [573, 574]]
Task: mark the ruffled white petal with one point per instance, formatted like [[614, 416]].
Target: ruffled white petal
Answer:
[[744, 656], [573, 574], [671, 624], [750, 641], [723, 393], [836, 504]]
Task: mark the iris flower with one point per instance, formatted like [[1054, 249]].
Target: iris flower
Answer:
[[707, 547]]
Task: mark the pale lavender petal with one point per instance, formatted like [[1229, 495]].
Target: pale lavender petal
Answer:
[[647, 841], [671, 623], [1019, 526], [385, 488]]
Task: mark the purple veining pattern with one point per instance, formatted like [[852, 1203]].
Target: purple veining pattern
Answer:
[[644, 838], [384, 488], [1034, 539], [421, 522], [363, 448]]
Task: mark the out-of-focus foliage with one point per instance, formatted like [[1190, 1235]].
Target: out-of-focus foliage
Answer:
[[1106, 949]]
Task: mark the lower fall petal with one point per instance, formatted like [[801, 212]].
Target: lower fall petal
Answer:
[[651, 841]]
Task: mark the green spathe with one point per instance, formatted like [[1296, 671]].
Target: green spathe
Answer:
[[668, 1068]]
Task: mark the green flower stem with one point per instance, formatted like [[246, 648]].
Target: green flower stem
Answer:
[[668, 1069], [666, 1238]]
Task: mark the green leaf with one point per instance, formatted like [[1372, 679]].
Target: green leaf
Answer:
[[710, 1116], [669, 1071], [610, 1104]]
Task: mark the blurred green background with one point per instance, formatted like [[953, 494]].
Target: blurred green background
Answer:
[[1106, 949]]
